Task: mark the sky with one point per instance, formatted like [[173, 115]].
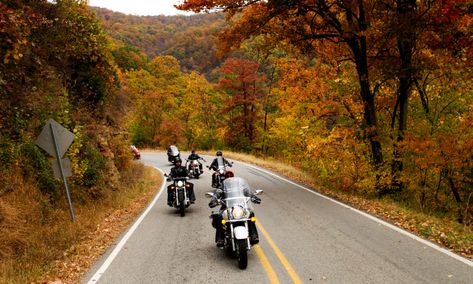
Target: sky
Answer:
[[140, 7]]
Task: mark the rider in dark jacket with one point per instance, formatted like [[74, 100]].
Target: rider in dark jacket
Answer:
[[214, 166], [179, 171], [194, 156]]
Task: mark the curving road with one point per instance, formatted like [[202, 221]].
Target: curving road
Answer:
[[304, 237]]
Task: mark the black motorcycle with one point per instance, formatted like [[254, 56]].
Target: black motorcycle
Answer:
[[181, 194], [237, 216]]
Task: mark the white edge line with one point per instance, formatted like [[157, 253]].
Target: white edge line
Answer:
[[125, 238], [391, 226]]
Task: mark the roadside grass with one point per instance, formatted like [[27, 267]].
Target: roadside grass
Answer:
[[443, 231], [45, 245]]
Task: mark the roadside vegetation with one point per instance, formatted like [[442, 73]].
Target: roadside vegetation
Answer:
[[55, 62], [440, 230]]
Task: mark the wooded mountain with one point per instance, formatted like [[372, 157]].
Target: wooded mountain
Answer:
[[191, 39]]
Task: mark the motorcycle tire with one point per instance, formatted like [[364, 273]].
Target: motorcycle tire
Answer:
[[182, 203], [242, 254], [182, 209]]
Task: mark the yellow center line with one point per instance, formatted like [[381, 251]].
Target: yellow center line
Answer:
[[292, 273], [273, 278]]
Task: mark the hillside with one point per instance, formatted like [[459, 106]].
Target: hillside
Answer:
[[190, 39]]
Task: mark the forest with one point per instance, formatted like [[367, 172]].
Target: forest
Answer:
[[373, 99]]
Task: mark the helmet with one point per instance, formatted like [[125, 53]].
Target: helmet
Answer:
[[178, 161], [229, 174], [219, 153], [193, 152]]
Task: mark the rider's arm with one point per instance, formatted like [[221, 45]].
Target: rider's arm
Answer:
[[171, 173], [213, 165]]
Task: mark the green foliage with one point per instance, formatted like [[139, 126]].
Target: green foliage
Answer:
[[37, 167], [7, 156], [139, 136], [95, 166], [129, 58]]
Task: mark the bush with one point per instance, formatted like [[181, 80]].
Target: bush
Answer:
[[37, 167], [95, 166]]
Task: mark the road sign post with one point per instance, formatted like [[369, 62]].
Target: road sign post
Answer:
[[61, 169], [55, 140]]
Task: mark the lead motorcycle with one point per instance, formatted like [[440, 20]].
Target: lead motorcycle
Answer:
[[236, 216], [181, 195]]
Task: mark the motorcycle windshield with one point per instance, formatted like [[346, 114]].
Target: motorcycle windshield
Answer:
[[220, 163], [236, 192], [173, 151]]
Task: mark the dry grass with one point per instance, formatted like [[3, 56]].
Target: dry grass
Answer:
[[443, 231], [40, 242]]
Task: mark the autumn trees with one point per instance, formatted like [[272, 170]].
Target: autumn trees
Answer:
[[241, 81], [55, 63], [400, 53], [171, 107]]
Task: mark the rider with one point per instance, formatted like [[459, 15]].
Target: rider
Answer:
[[179, 171], [217, 217], [194, 156], [214, 166]]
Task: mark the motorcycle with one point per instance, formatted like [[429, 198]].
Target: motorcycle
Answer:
[[221, 173], [173, 154], [237, 216], [194, 168], [181, 195]]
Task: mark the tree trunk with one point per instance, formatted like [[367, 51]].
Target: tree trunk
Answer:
[[406, 43], [358, 47]]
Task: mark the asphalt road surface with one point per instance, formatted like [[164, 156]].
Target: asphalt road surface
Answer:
[[304, 238]]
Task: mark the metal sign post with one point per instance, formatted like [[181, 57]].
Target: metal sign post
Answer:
[[59, 160], [55, 140]]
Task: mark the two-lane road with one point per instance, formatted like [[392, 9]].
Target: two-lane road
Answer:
[[304, 237]]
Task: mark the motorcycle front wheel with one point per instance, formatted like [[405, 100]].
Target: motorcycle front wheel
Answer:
[[182, 209], [182, 203], [242, 255]]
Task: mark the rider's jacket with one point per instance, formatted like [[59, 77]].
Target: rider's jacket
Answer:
[[177, 172], [214, 164], [194, 157]]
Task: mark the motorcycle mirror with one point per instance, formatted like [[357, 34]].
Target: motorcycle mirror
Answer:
[[209, 194], [259, 191]]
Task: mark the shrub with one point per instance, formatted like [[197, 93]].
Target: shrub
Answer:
[[37, 167]]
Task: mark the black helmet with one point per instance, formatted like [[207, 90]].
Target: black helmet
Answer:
[[219, 153], [193, 151], [178, 161]]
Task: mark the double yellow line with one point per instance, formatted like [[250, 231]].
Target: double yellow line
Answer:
[[264, 260]]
